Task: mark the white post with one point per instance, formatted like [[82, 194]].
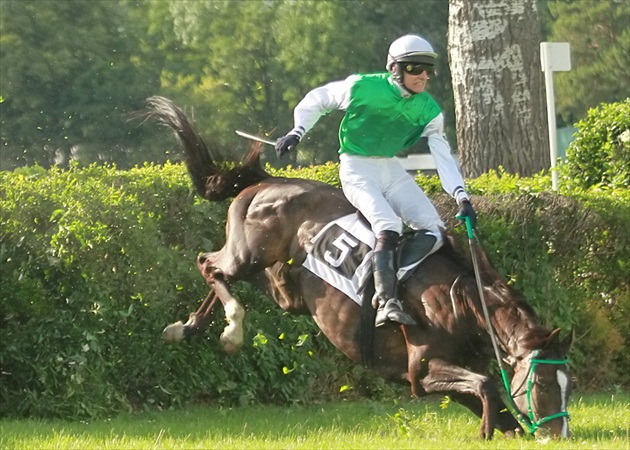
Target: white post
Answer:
[[554, 56], [551, 125]]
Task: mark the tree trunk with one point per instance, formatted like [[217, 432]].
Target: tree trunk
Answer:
[[494, 54]]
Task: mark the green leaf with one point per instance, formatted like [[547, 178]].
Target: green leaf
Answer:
[[301, 340]]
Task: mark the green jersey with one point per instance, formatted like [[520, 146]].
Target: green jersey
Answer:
[[379, 121]]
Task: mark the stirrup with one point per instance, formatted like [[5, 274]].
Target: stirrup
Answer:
[[392, 311]]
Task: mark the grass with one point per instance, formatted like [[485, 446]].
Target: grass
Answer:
[[598, 422]]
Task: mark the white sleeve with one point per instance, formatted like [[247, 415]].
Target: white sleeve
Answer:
[[320, 101], [448, 171]]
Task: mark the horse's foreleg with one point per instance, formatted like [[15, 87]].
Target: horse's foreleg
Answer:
[[416, 363], [232, 336], [506, 422], [448, 379]]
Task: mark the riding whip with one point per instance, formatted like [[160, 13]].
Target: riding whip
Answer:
[[254, 138]]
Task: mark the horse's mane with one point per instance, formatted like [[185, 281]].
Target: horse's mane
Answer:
[[518, 315], [214, 180]]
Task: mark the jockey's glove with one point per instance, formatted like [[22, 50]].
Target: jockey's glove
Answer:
[[286, 144], [466, 210]]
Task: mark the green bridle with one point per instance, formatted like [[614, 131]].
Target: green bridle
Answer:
[[530, 423]]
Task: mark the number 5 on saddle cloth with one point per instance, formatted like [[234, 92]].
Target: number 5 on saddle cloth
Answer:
[[341, 254]]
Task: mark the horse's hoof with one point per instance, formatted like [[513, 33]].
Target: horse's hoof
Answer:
[[229, 347], [173, 333], [509, 434]]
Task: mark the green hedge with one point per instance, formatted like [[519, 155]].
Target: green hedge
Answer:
[[96, 261]]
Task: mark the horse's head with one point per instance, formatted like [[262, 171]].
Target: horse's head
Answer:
[[541, 384]]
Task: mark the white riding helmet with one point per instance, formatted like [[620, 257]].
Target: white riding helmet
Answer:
[[410, 48]]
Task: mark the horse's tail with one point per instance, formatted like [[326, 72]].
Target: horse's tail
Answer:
[[211, 180]]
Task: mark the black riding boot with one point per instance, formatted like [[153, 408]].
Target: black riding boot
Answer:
[[389, 307]]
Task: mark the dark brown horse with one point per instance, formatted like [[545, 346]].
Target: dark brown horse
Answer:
[[270, 224]]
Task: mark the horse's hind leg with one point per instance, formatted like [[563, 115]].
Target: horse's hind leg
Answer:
[[232, 336], [197, 322]]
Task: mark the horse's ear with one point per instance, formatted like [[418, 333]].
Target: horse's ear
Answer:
[[552, 339], [566, 343]]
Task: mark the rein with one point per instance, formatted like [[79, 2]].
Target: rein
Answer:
[[528, 422]]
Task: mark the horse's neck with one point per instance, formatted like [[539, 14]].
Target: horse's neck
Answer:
[[512, 325]]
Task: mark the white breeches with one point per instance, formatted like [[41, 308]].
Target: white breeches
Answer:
[[386, 194]]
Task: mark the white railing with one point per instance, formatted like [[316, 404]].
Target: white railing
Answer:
[[423, 161], [420, 161]]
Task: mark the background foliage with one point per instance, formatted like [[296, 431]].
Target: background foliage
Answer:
[[73, 70], [95, 261], [600, 153]]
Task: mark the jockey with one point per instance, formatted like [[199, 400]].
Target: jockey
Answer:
[[386, 113]]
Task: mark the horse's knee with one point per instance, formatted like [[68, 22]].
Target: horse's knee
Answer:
[[417, 369], [206, 263], [487, 389]]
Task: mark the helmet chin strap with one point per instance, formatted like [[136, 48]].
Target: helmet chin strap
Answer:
[[398, 79], [396, 71]]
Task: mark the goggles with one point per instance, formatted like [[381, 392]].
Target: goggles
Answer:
[[417, 68]]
